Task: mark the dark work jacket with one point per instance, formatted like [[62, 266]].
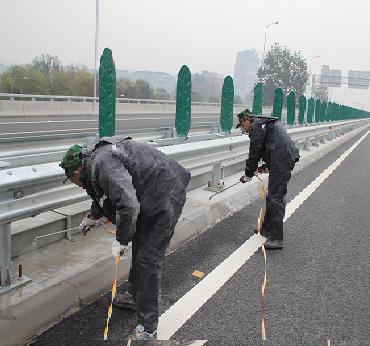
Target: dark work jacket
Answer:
[[125, 178], [267, 135]]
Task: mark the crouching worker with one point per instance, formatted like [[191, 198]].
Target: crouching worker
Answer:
[[142, 191], [270, 142]]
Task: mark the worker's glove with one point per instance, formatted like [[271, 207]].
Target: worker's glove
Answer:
[[263, 169], [244, 179], [87, 224], [118, 249]]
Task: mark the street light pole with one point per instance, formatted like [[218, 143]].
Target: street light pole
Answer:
[[313, 81], [96, 48], [264, 44]]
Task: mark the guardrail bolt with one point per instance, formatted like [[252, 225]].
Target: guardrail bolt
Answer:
[[18, 194]]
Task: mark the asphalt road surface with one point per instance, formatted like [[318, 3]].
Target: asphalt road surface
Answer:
[[318, 289], [27, 127]]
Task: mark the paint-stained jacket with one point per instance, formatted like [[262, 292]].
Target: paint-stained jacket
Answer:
[[267, 135], [125, 178]]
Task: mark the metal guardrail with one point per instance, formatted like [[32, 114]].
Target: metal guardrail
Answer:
[[28, 191], [156, 137], [35, 97]]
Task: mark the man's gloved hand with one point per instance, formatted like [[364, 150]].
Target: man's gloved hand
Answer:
[[263, 169], [118, 249], [244, 179], [87, 224]]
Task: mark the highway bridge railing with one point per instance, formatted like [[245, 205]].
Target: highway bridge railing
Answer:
[[31, 190]]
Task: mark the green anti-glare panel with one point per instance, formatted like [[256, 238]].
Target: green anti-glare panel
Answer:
[[324, 111], [302, 109], [183, 102], [310, 110], [317, 111], [107, 95], [278, 103], [258, 99], [227, 105], [290, 104]]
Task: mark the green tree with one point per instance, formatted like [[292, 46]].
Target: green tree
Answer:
[[320, 92], [161, 94], [20, 79], [283, 69], [81, 83], [144, 90], [46, 64]]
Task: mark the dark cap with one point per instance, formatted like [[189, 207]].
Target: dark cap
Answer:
[[243, 116]]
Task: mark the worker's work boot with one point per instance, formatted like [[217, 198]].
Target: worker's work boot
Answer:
[[140, 333], [124, 301], [273, 244]]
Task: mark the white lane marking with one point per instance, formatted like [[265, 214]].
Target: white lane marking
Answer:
[[307, 192], [179, 313], [198, 343]]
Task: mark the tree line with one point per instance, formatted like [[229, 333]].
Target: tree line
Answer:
[[46, 75]]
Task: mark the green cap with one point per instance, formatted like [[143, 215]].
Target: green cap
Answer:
[[244, 115], [72, 160]]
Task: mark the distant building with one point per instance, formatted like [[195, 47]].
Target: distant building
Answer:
[[358, 79], [207, 86], [330, 78], [245, 72], [156, 80]]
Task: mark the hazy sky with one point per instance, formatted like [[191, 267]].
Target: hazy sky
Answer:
[[162, 35]]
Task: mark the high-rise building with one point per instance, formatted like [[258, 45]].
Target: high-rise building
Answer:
[[245, 72]]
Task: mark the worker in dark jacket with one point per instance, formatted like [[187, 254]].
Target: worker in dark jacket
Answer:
[[270, 142], [142, 191]]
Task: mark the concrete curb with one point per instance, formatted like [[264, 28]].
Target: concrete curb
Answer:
[[20, 322]]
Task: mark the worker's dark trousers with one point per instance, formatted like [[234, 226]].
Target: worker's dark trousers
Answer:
[[149, 245], [280, 173]]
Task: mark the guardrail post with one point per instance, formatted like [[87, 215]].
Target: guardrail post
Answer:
[[316, 141], [167, 132], [307, 144], [5, 255], [330, 136], [215, 183]]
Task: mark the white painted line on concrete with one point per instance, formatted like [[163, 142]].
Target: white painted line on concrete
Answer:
[[307, 192], [179, 313]]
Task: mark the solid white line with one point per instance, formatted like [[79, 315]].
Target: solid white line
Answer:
[[198, 343], [307, 192], [192, 301], [179, 313]]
